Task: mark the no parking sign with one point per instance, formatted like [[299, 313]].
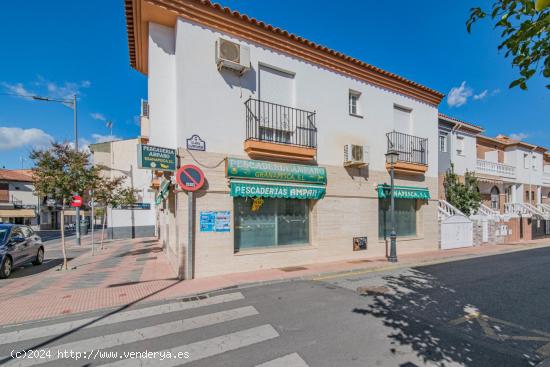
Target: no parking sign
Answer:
[[190, 177]]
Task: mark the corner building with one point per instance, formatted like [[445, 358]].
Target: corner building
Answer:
[[291, 136]]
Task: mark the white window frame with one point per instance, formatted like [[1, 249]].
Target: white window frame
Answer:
[[356, 96], [460, 145], [443, 138], [526, 160]]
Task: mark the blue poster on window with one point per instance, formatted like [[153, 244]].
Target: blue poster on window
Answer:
[[211, 221]]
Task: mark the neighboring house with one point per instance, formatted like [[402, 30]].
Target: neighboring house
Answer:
[[18, 203], [238, 97], [119, 158], [457, 147]]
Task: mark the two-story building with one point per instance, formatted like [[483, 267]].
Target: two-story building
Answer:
[[292, 138], [18, 202]]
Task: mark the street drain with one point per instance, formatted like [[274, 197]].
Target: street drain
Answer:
[[293, 268], [372, 290]]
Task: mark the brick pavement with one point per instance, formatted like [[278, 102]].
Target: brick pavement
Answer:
[[128, 272]]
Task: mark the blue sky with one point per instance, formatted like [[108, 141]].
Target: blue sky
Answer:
[[59, 48]]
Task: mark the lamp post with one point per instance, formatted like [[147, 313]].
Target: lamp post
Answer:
[[71, 102], [391, 159]]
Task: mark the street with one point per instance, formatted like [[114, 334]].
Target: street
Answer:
[[488, 311]]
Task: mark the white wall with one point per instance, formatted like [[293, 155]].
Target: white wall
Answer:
[[467, 160], [23, 191], [531, 175], [211, 103], [162, 86]]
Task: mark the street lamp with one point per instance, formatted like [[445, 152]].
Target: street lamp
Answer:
[[391, 159], [72, 104]]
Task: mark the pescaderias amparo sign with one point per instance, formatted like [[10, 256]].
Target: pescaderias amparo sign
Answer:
[[273, 171], [159, 158]]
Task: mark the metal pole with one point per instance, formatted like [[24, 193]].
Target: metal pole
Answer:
[[393, 235], [92, 220], [77, 213], [190, 244]]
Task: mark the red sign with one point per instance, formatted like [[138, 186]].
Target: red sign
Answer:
[[190, 177], [77, 201]]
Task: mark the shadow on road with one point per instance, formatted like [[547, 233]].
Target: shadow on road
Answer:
[[419, 308], [29, 270]]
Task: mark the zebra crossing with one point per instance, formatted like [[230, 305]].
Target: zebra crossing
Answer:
[[171, 334]]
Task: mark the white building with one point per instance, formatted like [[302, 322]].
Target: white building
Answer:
[[119, 158], [18, 203], [285, 100]]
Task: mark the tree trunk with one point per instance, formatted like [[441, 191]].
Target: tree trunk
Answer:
[[64, 266], [103, 226]]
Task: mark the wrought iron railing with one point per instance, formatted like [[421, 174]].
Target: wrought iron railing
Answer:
[[411, 149], [271, 122]]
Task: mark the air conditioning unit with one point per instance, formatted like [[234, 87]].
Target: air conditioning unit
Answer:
[[356, 155], [232, 55]]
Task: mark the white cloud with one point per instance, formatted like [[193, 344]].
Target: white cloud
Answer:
[[15, 137], [519, 136], [458, 96], [103, 138], [17, 88], [98, 116], [481, 95]]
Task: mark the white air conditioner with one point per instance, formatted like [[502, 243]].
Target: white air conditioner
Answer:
[[356, 155], [232, 55]]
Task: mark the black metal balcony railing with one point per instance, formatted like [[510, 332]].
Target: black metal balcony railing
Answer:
[[411, 149], [271, 122]]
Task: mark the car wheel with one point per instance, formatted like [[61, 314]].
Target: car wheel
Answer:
[[39, 257], [5, 269]]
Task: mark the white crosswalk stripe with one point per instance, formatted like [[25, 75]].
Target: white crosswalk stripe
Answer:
[[290, 360], [64, 327], [127, 337], [207, 348]]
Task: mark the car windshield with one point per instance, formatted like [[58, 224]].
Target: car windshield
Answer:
[[3, 233]]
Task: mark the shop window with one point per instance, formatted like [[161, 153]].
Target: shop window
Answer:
[[266, 222], [405, 217]]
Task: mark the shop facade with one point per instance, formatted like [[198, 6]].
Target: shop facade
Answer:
[[291, 139]]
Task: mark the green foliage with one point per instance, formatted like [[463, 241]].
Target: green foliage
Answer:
[[525, 30], [109, 192], [463, 196], [59, 171]]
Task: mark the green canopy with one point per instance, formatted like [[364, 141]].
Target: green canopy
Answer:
[[270, 190], [404, 192]]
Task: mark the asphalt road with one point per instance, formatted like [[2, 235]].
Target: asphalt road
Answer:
[[491, 311]]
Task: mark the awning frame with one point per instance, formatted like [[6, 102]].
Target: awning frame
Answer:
[[404, 192], [285, 190]]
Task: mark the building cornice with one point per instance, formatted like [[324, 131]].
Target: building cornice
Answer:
[[206, 13]]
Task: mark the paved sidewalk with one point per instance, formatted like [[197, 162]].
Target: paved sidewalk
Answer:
[[128, 272]]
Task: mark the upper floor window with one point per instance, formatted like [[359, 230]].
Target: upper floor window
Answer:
[[354, 108], [460, 145], [443, 143], [402, 119], [535, 163], [525, 160]]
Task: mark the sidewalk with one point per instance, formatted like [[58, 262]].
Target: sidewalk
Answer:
[[127, 272]]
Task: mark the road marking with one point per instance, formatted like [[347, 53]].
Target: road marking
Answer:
[[290, 360], [64, 327], [489, 331], [207, 348], [132, 336]]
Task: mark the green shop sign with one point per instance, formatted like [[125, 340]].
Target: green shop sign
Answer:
[[163, 191], [273, 171], [259, 189], [159, 158], [404, 192]]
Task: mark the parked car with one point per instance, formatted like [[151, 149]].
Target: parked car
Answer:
[[19, 245]]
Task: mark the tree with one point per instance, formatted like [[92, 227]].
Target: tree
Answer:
[[525, 26], [109, 193], [463, 196], [59, 172]]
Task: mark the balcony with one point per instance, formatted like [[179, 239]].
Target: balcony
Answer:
[[281, 132], [412, 150], [495, 169]]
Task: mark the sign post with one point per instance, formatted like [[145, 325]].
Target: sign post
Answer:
[[77, 203], [190, 178]]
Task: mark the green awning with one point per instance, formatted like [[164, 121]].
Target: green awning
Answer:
[[270, 190], [404, 192]]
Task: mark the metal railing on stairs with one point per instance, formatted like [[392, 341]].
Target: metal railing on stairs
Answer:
[[445, 209]]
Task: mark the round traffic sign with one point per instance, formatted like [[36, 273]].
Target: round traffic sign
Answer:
[[190, 177], [77, 201]]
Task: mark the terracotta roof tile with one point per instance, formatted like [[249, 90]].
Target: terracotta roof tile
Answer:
[[460, 121], [23, 175]]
